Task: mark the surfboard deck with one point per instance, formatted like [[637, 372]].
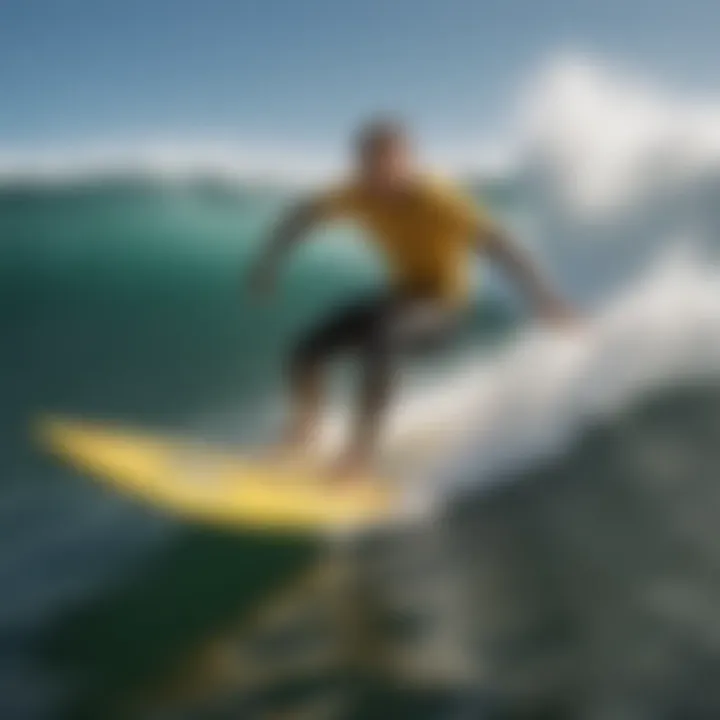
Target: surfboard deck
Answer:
[[214, 486]]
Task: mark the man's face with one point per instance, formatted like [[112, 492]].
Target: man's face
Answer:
[[385, 162]]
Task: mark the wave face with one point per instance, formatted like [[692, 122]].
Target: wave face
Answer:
[[578, 465], [591, 579]]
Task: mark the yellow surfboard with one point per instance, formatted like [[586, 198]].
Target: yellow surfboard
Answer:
[[209, 485]]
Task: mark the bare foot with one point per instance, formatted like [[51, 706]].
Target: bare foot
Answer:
[[286, 453], [351, 466]]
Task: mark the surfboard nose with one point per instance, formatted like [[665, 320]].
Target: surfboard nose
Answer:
[[211, 485]]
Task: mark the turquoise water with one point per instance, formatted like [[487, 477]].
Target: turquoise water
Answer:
[[126, 301]]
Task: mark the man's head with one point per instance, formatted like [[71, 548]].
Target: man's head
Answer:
[[384, 153]]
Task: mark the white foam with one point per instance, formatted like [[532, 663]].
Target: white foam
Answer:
[[537, 394], [604, 136], [163, 159], [607, 137]]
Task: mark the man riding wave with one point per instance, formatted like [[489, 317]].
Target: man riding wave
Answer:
[[427, 232]]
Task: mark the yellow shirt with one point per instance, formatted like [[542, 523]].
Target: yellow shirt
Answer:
[[425, 235]]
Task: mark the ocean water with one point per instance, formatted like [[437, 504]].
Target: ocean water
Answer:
[[575, 544], [125, 301]]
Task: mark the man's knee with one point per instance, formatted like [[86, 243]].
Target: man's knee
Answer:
[[307, 356]]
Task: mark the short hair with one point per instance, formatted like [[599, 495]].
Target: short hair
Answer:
[[380, 132]]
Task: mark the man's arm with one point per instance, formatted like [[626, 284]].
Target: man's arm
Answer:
[[292, 228], [502, 249]]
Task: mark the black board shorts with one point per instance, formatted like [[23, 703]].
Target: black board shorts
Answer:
[[380, 327]]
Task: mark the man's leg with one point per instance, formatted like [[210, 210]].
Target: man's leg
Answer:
[[346, 329], [400, 327], [375, 391], [305, 399]]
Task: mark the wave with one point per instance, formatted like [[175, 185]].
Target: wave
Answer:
[[605, 435], [161, 161], [597, 168], [591, 580], [608, 139], [583, 521], [536, 396], [602, 135], [576, 476], [603, 173]]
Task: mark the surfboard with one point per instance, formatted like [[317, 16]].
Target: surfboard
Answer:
[[211, 485]]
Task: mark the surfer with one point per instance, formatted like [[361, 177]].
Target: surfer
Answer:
[[426, 230]]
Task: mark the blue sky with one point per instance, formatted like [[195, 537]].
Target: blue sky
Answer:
[[304, 71]]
